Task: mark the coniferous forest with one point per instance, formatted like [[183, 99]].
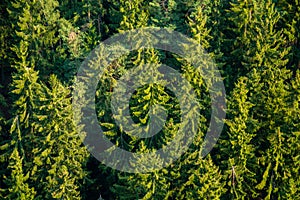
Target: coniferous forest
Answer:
[[256, 47]]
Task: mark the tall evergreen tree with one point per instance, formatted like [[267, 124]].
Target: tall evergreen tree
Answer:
[[37, 23], [135, 15], [191, 176], [260, 120], [252, 25], [258, 105], [197, 177], [25, 90], [238, 148], [58, 155], [17, 185]]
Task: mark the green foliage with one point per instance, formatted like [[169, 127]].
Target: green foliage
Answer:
[[255, 23], [188, 178], [5, 36], [36, 22], [259, 158], [3, 105], [290, 22], [241, 131], [16, 181], [24, 85], [254, 43], [259, 119], [58, 156]]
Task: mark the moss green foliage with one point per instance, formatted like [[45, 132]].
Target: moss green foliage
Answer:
[[255, 44]]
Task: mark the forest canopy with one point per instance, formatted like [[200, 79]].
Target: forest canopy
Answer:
[[255, 45]]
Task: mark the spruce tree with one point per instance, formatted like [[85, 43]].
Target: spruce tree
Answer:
[[195, 177], [16, 179], [55, 44], [58, 155], [190, 176], [58, 167], [252, 25], [37, 23], [237, 149], [128, 186], [259, 159], [25, 90], [258, 105]]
